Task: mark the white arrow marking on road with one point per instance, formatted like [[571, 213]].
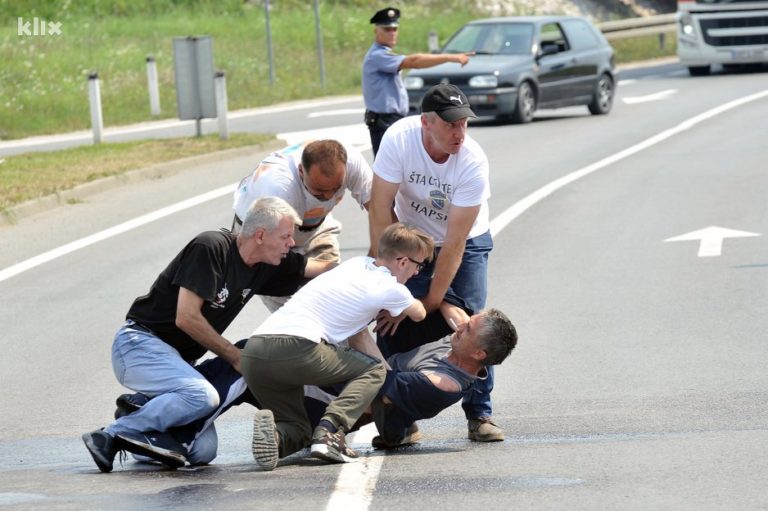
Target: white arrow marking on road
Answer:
[[656, 96], [711, 239]]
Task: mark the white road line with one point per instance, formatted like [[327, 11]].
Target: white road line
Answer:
[[356, 134], [330, 113], [113, 231], [170, 123], [656, 96], [355, 484]]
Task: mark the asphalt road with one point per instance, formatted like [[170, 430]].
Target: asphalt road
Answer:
[[639, 381]]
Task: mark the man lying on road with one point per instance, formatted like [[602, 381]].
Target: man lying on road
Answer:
[[420, 384]]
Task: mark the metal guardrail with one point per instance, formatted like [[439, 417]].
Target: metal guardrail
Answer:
[[635, 27]]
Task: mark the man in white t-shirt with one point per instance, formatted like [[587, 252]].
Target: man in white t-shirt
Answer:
[[437, 178], [299, 344], [311, 176]]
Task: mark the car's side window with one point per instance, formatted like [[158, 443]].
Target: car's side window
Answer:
[[580, 34], [552, 36]]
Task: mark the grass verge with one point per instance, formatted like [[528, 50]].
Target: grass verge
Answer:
[[29, 176], [634, 49]]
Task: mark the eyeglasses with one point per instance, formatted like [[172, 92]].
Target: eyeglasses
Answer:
[[419, 264]]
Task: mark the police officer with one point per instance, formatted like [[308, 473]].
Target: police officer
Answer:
[[386, 99]]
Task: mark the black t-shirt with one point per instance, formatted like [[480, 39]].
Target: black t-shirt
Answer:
[[211, 267]]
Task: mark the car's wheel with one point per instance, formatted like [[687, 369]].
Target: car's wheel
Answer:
[[698, 70], [602, 101], [526, 104]]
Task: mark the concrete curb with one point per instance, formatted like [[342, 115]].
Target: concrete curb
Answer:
[[10, 216]]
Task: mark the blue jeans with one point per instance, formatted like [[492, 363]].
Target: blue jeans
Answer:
[[144, 363], [468, 290]]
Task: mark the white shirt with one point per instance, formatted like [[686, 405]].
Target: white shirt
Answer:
[[428, 189], [278, 176], [339, 303]]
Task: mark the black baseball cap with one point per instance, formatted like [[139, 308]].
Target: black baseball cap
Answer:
[[448, 102], [387, 17]]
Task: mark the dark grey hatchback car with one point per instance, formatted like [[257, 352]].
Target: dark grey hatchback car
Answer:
[[523, 64]]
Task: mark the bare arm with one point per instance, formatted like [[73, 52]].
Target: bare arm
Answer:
[[449, 259], [422, 60], [386, 324], [416, 311], [380, 213], [443, 381], [191, 321], [315, 267], [455, 316], [363, 342]]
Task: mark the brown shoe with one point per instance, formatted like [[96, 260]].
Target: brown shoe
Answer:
[[412, 436], [484, 430]]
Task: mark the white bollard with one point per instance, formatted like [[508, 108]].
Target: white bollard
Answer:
[[432, 42], [220, 90], [154, 90], [94, 98]]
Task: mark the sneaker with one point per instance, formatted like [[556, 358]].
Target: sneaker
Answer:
[[161, 447], [484, 430], [264, 444], [102, 447], [331, 446], [412, 435], [129, 403]]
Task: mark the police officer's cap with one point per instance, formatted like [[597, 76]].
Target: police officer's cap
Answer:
[[386, 17]]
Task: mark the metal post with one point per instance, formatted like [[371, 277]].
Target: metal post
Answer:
[[152, 82], [220, 83], [269, 45], [662, 40], [94, 98], [196, 88], [319, 45], [432, 42]]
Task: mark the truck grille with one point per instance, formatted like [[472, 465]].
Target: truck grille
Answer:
[[735, 23]]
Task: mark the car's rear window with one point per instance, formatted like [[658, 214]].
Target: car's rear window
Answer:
[[492, 39]]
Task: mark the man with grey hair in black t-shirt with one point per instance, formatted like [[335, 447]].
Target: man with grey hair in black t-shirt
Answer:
[[183, 316]]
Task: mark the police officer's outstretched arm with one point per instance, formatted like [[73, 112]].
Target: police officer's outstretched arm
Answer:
[[422, 60]]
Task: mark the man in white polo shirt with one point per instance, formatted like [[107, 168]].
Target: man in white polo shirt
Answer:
[[312, 176]]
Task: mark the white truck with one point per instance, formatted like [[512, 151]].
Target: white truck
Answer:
[[727, 32]]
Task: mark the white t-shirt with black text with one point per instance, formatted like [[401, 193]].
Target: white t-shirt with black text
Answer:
[[428, 189]]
